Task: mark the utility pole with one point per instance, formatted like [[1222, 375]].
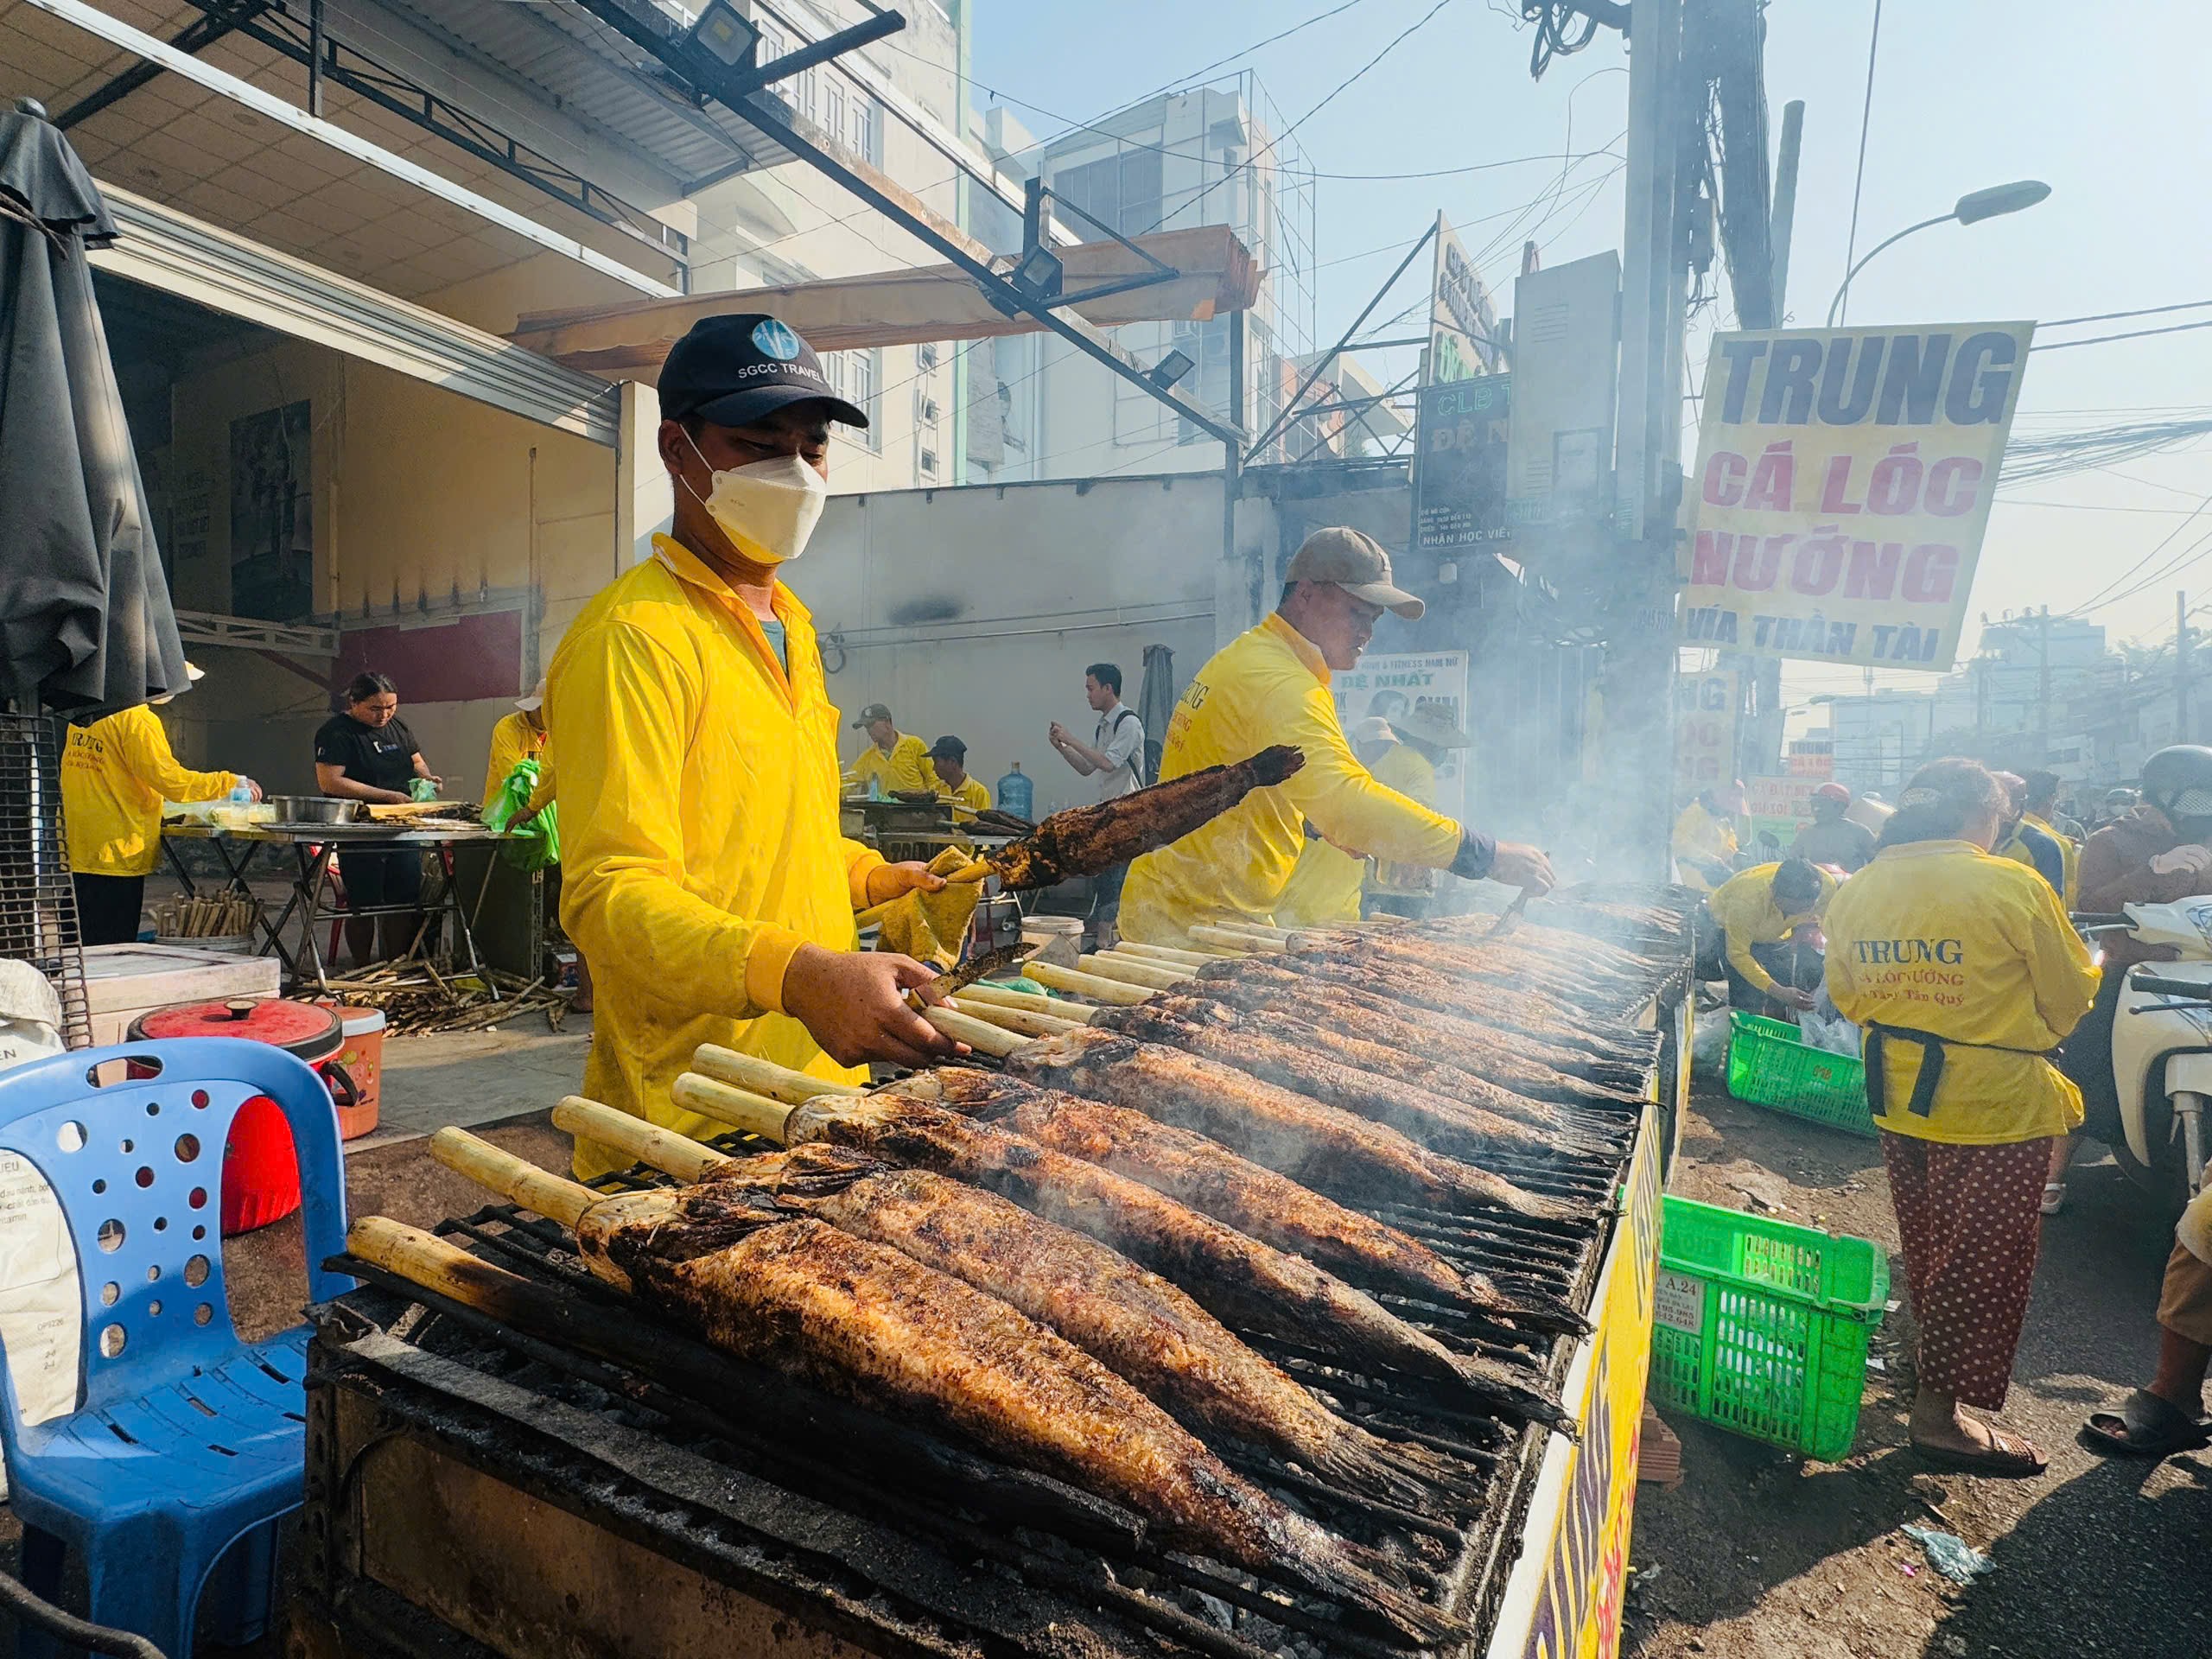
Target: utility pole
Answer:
[[2043, 684], [1639, 690], [1785, 202], [2181, 668]]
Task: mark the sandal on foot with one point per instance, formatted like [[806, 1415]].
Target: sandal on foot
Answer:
[[2146, 1425], [2054, 1198], [2007, 1457]]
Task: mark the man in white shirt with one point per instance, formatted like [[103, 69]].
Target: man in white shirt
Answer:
[[1115, 757]]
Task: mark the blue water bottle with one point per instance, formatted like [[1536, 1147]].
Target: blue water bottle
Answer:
[[1016, 794]]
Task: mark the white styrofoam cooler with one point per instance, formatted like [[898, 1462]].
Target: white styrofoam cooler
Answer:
[[124, 981]]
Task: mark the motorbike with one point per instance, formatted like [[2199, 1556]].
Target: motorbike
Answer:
[[2162, 1048]]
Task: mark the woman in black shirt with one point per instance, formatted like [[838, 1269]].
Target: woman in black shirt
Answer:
[[368, 755]]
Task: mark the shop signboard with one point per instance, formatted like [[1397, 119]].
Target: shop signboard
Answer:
[[1820, 764], [1704, 730], [1843, 485], [1564, 1598], [1391, 684], [1779, 806], [1462, 320], [1460, 433]]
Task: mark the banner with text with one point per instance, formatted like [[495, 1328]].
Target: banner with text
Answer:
[[1704, 731], [1462, 320], [1843, 483], [1392, 684]]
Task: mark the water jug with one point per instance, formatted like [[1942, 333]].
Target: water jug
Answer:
[[1016, 793]]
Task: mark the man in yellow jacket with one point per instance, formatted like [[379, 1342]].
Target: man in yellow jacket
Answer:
[[116, 772], [518, 737], [1704, 843], [1426, 735], [1329, 883], [1271, 685], [948, 759], [1753, 916], [893, 759], [705, 880]]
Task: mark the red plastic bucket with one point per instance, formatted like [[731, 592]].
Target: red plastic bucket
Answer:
[[261, 1174]]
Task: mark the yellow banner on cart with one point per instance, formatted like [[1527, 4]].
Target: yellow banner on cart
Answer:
[[1578, 1614]]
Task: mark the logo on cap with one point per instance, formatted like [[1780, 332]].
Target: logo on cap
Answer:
[[777, 339]]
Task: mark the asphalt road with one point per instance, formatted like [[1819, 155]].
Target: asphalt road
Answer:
[[1760, 1555]]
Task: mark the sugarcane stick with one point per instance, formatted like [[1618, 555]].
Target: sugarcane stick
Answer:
[[764, 1076], [1021, 1020], [513, 1179], [976, 1034], [1243, 943], [1167, 953], [1259, 930], [663, 1150], [1134, 971], [1182, 970], [426, 1260], [739, 1108], [1051, 1008], [1089, 985]]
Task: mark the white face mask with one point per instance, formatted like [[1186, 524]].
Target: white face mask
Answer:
[[768, 509]]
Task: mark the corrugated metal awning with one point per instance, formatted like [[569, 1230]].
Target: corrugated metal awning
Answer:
[[1214, 274]]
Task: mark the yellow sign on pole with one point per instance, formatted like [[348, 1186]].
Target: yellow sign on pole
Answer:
[[1843, 484]]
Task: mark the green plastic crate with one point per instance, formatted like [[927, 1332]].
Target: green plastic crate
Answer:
[[1771, 1065], [1762, 1328]]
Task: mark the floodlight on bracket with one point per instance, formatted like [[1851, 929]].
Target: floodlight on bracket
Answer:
[[1171, 368]]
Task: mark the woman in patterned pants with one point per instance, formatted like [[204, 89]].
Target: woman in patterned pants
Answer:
[[1964, 973]]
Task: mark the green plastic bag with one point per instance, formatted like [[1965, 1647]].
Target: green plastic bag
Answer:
[[534, 844]]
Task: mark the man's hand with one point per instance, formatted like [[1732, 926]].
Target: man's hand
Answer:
[[252, 789], [853, 1005], [1801, 1001], [1057, 732], [1519, 865], [2194, 858], [889, 881]]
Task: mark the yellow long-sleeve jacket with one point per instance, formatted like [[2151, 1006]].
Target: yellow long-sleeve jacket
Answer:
[[906, 766], [1409, 771], [2069, 849], [698, 801], [514, 739], [1324, 887], [968, 800], [1699, 834], [1268, 685], [1940, 937], [116, 772], [1745, 909]]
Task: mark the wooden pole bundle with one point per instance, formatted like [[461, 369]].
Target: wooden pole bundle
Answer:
[[206, 916]]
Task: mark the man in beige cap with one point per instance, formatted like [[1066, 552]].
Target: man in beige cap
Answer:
[[1271, 685]]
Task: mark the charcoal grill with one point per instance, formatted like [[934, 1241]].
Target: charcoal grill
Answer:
[[574, 1477]]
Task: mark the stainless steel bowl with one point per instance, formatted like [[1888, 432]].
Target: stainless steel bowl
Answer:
[[312, 809]]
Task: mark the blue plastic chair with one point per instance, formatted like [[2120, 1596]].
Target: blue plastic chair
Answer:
[[190, 1446]]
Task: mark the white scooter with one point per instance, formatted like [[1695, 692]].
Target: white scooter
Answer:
[[2162, 1049]]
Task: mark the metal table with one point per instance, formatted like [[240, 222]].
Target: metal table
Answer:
[[312, 846]]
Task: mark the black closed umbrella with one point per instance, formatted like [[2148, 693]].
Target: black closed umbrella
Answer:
[[86, 623]]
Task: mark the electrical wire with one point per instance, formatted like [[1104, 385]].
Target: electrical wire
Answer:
[[1555, 36], [2105, 340], [2114, 316], [1859, 181]]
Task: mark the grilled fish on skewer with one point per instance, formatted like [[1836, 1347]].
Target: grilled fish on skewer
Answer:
[[1135, 1323], [1528, 1065], [1215, 1181], [869, 1323], [1214, 1032], [1240, 1280], [1318, 1145], [1087, 840]]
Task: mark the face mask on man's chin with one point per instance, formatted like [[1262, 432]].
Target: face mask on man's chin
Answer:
[[767, 509]]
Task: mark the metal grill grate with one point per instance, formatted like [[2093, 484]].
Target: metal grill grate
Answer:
[[38, 906]]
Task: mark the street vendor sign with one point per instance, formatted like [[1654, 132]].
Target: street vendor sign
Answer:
[[1843, 484]]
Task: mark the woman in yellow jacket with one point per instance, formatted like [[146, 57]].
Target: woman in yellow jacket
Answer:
[[1964, 974], [116, 772]]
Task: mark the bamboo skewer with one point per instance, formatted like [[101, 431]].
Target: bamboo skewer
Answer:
[[739, 1108], [1022, 1021], [1135, 970], [1244, 944], [764, 1076], [513, 1179], [426, 1260], [664, 1149], [1094, 986], [1169, 953], [1258, 930], [976, 1034], [1049, 1007]]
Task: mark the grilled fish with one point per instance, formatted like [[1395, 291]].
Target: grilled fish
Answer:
[[1087, 840], [1213, 1180], [1292, 1061], [1318, 1145], [1135, 1323], [1530, 1064], [1242, 1282], [867, 1323]]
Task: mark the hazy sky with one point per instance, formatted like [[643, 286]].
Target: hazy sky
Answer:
[[2105, 104]]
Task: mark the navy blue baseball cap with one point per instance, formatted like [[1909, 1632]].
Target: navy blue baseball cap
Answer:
[[737, 371]]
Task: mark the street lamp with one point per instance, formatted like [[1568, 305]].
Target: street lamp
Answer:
[[1970, 209]]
